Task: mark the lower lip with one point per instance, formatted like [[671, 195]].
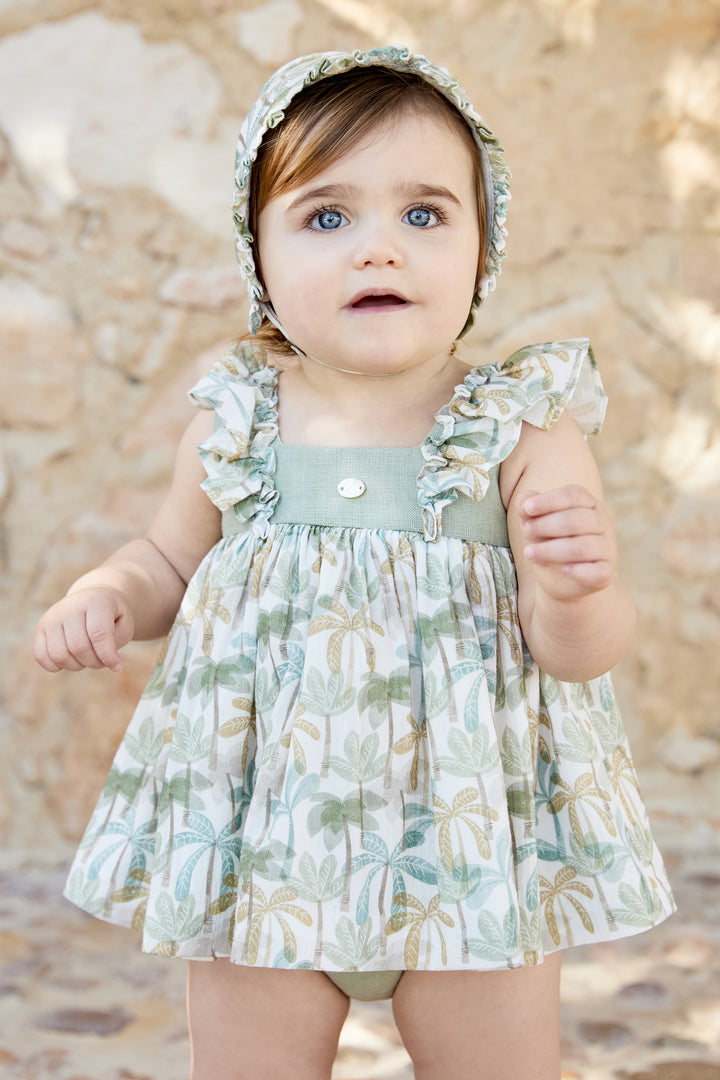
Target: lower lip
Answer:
[[378, 309]]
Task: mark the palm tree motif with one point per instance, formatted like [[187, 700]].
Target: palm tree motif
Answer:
[[243, 724], [278, 623], [146, 745], [256, 573], [510, 689], [135, 841], [592, 859], [291, 739], [582, 745], [581, 795], [622, 778], [472, 755], [120, 782], [475, 467], [318, 885], [376, 696], [508, 624], [133, 893], [561, 890], [203, 601], [520, 759], [287, 580], [283, 803], [444, 623], [479, 584], [167, 679], [416, 741], [335, 816], [608, 723], [182, 790], [484, 397], [496, 942], [454, 887], [226, 899], [403, 554], [359, 764], [377, 859], [545, 730], [355, 947], [207, 678], [81, 890], [472, 663], [173, 924], [189, 745], [326, 554], [412, 914], [641, 844], [255, 860], [201, 834], [280, 907], [326, 699], [464, 809], [341, 623], [642, 908], [267, 692]]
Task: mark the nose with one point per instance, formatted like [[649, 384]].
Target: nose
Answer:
[[378, 244]]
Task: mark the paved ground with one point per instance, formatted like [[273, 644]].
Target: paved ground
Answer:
[[79, 1002]]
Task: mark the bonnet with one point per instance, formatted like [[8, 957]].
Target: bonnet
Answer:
[[269, 110]]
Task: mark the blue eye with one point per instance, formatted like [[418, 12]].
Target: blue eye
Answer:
[[327, 220], [421, 216]]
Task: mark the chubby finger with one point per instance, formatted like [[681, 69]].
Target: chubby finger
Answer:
[[579, 521], [590, 577], [562, 498], [79, 642], [569, 549], [41, 654], [101, 633], [58, 650]]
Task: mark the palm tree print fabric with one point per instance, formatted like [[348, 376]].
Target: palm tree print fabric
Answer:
[[346, 758]]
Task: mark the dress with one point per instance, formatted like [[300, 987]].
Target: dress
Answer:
[[346, 758]]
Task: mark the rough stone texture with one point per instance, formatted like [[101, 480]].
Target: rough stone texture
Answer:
[[117, 132]]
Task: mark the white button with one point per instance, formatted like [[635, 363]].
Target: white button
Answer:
[[351, 488]]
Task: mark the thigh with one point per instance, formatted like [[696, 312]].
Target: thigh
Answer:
[[494, 1025], [250, 1022]]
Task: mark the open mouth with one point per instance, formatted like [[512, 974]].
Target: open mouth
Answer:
[[382, 300]]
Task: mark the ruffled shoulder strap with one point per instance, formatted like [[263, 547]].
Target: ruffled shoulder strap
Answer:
[[481, 425], [238, 456]]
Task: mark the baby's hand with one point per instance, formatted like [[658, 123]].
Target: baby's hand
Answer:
[[84, 630], [570, 541]]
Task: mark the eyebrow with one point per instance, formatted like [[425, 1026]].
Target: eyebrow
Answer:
[[350, 191]]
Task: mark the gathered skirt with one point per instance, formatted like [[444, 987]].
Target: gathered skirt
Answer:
[[347, 760]]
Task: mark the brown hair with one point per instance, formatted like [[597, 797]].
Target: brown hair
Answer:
[[323, 123]]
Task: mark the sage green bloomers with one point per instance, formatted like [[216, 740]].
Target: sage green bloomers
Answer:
[[346, 759]]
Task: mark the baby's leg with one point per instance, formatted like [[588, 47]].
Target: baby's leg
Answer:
[[495, 1025], [250, 1023]]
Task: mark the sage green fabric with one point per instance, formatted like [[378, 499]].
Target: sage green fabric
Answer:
[[366, 985], [307, 478]]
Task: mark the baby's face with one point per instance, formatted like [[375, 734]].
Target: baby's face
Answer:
[[371, 264]]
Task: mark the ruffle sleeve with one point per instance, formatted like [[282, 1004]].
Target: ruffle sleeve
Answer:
[[238, 456], [480, 427]]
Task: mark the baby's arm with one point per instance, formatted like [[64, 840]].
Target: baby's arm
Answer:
[[137, 591], [577, 617]]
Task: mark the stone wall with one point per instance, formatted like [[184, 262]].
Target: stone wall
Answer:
[[118, 124]]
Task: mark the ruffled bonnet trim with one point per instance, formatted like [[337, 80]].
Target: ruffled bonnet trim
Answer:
[[238, 456], [481, 425]]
